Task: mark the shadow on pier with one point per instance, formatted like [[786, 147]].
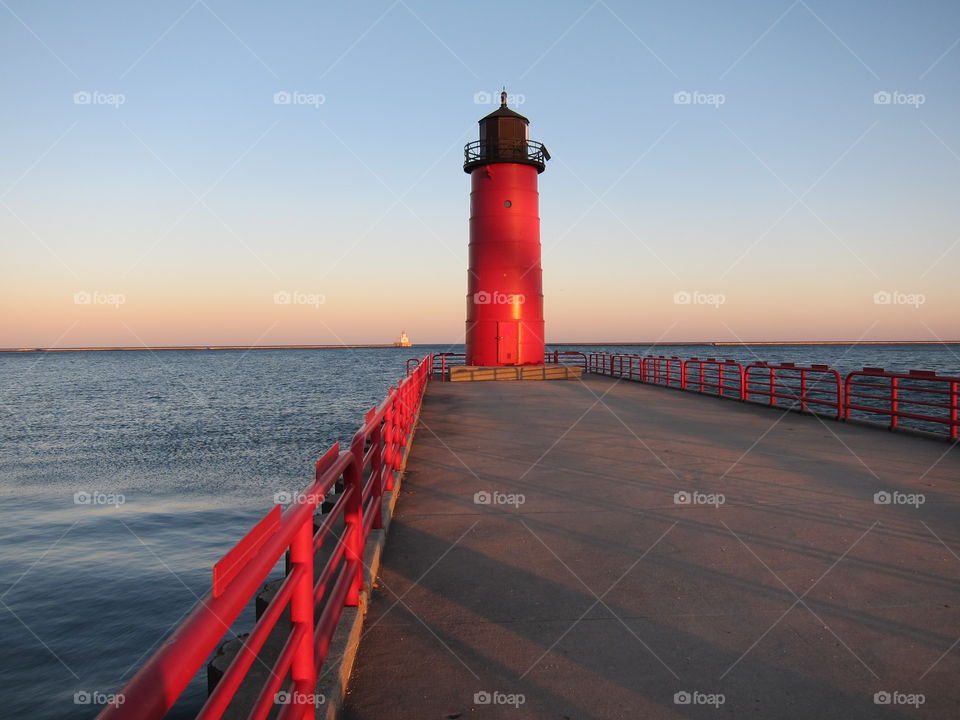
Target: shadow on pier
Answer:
[[540, 566]]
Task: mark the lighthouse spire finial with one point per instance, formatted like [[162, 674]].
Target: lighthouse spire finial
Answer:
[[503, 97]]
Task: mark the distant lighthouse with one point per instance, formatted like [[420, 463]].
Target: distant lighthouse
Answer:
[[504, 282]]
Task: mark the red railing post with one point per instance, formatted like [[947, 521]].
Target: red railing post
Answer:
[[953, 410], [353, 519], [773, 388], [894, 401], [376, 465], [846, 395], [803, 389], [388, 446], [303, 669]]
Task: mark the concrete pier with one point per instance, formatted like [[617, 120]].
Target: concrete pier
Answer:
[[541, 563]]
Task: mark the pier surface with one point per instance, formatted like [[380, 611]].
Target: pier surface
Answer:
[[600, 597]]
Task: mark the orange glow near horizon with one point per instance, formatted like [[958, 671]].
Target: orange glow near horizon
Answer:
[[261, 313]]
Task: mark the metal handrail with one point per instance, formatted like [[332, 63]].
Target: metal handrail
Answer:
[[714, 377], [364, 471], [918, 395], [921, 396], [517, 150], [805, 386]]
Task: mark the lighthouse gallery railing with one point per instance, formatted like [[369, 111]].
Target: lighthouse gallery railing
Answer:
[[528, 150]]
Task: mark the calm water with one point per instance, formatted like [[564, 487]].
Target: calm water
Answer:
[[197, 443]]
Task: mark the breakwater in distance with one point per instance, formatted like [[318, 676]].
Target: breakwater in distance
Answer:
[[660, 343]]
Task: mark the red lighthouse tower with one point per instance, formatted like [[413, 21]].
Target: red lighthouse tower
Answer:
[[504, 290]]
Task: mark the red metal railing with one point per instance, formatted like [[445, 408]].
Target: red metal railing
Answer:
[[808, 389], [444, 361], [717, 377], [925, 400], [324, 574], [566, 357], [928, 399], [628, 367], [662, 370]]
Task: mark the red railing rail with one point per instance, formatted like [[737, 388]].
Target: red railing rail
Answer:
[[716, 377], [805, 388], [566, 357], [918, 395], [315, 593]]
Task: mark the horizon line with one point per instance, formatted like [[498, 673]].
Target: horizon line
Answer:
[[710, 343]]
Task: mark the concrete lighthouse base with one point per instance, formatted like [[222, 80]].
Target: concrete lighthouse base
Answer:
[[515, 372]]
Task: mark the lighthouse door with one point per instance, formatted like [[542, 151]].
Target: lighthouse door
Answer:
[[507, 343]]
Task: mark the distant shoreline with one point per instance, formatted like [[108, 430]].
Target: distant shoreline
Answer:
[[557, 345], [200, 347]]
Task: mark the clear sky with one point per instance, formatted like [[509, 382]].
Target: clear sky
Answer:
[[721, 170]]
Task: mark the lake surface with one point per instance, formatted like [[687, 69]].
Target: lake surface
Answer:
[[196, 443]]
